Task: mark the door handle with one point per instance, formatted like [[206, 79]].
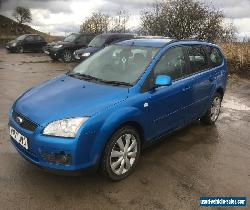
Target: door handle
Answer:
[[186, 88]]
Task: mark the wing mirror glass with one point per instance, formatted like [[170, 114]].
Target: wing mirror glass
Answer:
[[163, 80]]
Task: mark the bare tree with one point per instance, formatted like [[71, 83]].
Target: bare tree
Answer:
[[118, 23], [97, 23], [183, 19], [22, 15]]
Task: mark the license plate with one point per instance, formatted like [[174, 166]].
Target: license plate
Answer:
[[19, 138], [46, 52]]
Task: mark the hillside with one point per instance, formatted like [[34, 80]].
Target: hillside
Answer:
[[10, 29]]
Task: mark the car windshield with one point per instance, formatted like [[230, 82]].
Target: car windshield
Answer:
[[117, 64], [21, 38], [71, 38], [97, 42]]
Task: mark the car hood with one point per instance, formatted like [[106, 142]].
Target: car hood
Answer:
[[11, 42], [87, 50], [54, 43], [65, 97]]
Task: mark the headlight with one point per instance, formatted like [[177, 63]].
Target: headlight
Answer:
[[64, 128], [86, 54], [57, 46], [14, 44]]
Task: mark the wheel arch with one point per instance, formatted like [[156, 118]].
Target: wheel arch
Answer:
[[220, 90]]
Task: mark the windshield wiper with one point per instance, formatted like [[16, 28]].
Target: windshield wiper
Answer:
[[81, 76], [88, 77], [117, 83]]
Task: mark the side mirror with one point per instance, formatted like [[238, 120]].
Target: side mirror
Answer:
[[163, 80]]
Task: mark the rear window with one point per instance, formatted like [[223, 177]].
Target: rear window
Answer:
[[197, 58], [215, 56]]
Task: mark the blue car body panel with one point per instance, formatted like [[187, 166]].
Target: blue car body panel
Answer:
[[154, 112]]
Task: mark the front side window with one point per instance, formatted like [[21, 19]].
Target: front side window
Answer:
[[21, 37], [119, 63], [215, 56], [98, 41], [30, 38], [172, 63], [197, 58], [71, 38]]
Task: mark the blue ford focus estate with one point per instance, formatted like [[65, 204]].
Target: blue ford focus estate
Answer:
[[103, 112]]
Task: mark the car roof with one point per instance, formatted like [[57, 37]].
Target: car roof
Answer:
[[116, 34], [146, 42], [159, 42]]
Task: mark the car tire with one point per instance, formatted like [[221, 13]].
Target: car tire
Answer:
[[67, 56], [213, 111], [121, 154], [20, 49]]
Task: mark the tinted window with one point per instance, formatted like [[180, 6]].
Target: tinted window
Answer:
[[71, 38], [172, 63], [215, 56], [30, 38], [21, 37], [197, 58], [82, 39], [98, 41]]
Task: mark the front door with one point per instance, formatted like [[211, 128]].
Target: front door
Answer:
[[166, 105]]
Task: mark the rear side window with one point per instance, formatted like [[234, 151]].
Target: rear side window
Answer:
[[197, 58], [215, 56], [38, 38], [172, 63]]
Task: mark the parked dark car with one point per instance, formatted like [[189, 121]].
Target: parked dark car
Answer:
[[64, 50], [49, 46], [26, 42], [100, 42]]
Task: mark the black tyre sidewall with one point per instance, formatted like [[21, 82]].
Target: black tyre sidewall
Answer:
[[105, 162]]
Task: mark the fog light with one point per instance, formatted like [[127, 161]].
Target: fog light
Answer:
[[57, 158]]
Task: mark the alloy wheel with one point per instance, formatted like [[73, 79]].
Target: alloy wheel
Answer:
[[67, 56], [215, 108], [123, 154]]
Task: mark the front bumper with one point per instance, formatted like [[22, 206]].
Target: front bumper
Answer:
[[55, 53], [54, 153], [10, 48]]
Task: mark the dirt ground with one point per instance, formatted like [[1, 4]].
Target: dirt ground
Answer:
[[173, 174]]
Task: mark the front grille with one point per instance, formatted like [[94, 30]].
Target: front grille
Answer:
[[24, 122]]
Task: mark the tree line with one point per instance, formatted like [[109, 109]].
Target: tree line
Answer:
[[178, 19]]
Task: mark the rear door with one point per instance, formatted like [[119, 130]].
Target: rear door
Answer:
[[201, 82]]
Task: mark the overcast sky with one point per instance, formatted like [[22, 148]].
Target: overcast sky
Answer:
[[63, 16]]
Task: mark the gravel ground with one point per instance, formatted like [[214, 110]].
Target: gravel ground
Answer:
[[192, 162]]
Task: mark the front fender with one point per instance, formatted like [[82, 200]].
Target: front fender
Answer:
[[115, 119]]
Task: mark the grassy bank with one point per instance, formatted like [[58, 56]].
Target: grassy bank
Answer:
[[238, 58]]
